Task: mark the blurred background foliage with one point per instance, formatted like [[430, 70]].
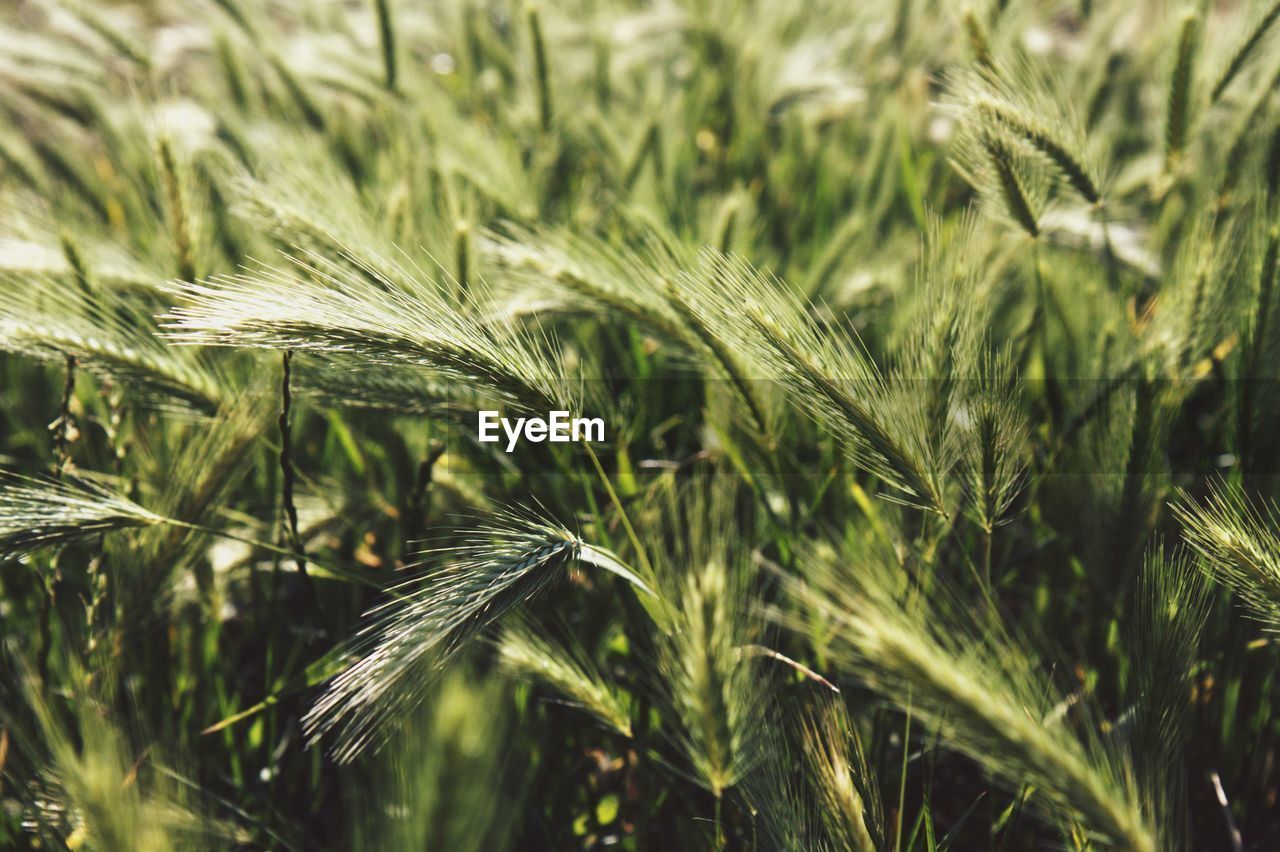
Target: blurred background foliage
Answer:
[[936, 343]]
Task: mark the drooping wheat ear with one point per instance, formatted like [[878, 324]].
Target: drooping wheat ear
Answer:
[[1178, 120], [1239, 545], [297, 91], [387, 41], [581, 273], [826, 373], [52, 322], [1058, 153], [723, 358], [378, 388], [1245, 51], [541, 72], [232, 70], [978, 689], [1259, 341], [406, 640], [75, 260], [1237, 152], [566, 669], [124, 44], [42, 513], [333, 311], [1017, 203], [855, 410]]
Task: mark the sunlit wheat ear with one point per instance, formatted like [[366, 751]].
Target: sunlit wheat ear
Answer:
[[974, 685], [824, 372], [1238, 540], [38, 513], [379, 388], [52, 320], [330, 310], [715, 690], [565, 668], [405, 641], [576, 274], [847, 797], [1012, 102], [430, 620], [1010, 182]]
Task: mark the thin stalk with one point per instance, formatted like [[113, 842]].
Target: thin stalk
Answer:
[[622, 512], [419, 501], [1041, 332], [1108, 249], [987, 534], [287, 482], [280, 551], [1256, 342], [902, 783], [62, 426]]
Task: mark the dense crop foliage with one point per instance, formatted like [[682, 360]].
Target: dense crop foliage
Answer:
[[937, 346]]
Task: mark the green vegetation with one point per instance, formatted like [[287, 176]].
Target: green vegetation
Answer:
[[938, 349]]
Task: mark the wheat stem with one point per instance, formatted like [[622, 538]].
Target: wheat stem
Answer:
[[287, 475]]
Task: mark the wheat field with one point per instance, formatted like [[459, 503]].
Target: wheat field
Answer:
[[915, 363]]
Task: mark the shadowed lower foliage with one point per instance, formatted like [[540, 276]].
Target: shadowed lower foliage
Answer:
[[935, 346]]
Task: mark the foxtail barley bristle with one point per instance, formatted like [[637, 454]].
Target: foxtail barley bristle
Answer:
[[39, 513]]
